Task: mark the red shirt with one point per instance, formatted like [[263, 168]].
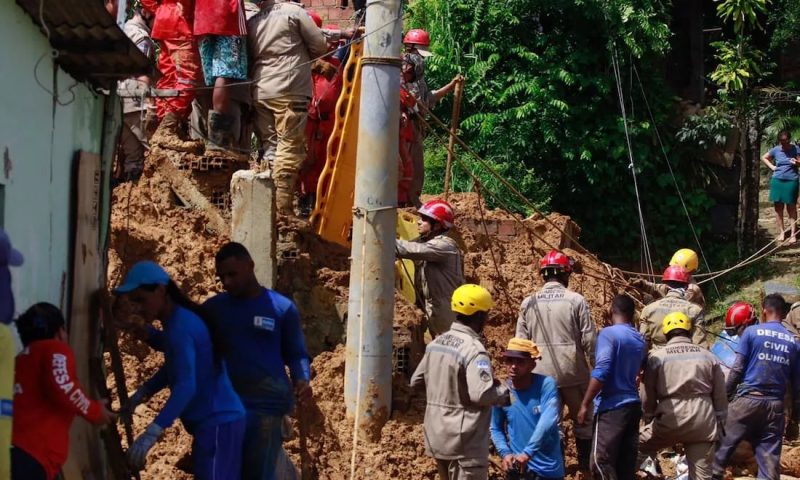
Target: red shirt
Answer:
[[219, 17], [173, 18], [46, 399]]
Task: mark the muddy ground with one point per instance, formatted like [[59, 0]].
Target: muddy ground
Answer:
[[501, 253]]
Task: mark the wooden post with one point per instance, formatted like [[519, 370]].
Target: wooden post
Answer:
[[454, 119]]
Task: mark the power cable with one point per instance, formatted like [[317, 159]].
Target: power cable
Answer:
[[672, 174]]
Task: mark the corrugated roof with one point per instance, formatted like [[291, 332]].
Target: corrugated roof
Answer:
[[90, 44]]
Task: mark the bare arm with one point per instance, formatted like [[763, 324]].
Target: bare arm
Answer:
[[767, 159]]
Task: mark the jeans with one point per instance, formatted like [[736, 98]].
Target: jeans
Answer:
[[25, 467], [615, 445], [263, 440], [760, 421]]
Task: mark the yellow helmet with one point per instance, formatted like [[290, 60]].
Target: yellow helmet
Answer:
[[676, 320], [686, 258], [471, 298]]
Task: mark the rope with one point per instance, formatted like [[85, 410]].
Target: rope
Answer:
[[491, 244], [499, 177], [648, 260], [672, 174], [477, 181]]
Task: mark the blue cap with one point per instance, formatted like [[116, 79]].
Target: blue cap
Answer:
[[145, 272], [9, 256]]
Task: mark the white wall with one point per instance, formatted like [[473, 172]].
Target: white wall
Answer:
[[40, 141]]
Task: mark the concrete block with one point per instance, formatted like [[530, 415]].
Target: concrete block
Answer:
[[253, 221]]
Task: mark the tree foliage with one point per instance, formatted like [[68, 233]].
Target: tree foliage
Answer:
[[540, 97]]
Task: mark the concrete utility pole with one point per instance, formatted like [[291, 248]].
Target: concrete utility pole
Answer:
[[368, 368]]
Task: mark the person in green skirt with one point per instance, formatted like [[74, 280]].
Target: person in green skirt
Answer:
[[783, 160]]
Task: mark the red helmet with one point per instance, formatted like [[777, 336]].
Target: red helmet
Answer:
[[315, 16], [440, 211], [417, 37], [740, 313], [675, 273], [557, 260]]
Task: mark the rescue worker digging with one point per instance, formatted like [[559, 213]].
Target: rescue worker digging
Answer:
[[440, 266], [460, 390], [684, 398], [558, 320], [676, 279], [766, 365]]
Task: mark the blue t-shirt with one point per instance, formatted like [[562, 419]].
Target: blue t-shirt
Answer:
[[619, 354], [771, 360], [783, 162], [530, 425], [200, 390], [264, 337]]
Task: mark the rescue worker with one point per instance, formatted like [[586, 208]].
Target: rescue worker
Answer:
[[47, 396], [179, 64], [417, 44], [526, 433], [263, 350], [135, 102], [792, 321], [326, 85], [739, 316], [9, 257], [439, 263], [619, 356], [460, 389], [684, 398], [283, 39], [194, 371], [766, 366], [687, 259], [676, 278], [239, 107], [559, 322], [220, 28]]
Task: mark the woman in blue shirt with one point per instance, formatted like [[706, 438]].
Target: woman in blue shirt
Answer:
[[783, 161], [201, 393]]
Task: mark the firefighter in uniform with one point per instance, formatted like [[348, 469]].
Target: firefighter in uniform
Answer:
[[676, 278], [684, 398], [460, 389], [558, 320], [687, 259]]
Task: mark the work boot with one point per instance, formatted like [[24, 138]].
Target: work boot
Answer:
[[284, 194], [168, 135], [220, 136]]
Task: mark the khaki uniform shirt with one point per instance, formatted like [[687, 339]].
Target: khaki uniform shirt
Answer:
[[653, 315], [792, 321], [694, 293], [559, 322], [439, 271], [282, 40], [461, 390], [684, 391]]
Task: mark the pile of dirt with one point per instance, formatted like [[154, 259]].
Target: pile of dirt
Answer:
[[501, 253]]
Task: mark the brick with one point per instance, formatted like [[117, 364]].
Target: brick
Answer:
[[507, 227]]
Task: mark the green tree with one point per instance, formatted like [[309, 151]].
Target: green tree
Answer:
[[738, 73], [540, 97]]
